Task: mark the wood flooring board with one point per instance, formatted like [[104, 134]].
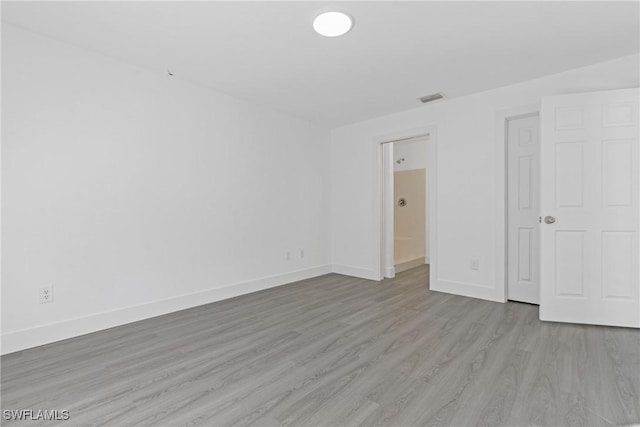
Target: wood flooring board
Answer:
[[336, 351], [487, 392], [343, 412], [609, 370], [459, 368]]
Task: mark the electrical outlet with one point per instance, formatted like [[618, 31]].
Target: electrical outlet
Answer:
[[45, 294], [475, 264], [301, 253]]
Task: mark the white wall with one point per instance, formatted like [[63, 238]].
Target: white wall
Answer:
[[468, 167], [414, 153], [137, 194]]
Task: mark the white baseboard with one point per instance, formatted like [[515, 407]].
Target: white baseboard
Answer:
[[389, 272], [362, 273], [408, 265], [45, 334], [467, 289]]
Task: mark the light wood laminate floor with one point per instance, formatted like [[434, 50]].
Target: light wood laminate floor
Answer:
[[336, 350]]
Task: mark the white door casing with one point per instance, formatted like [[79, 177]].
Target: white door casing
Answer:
[[590, 185], [388, 268], [523, 206]]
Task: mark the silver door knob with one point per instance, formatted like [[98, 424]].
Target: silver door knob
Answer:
[[549, 220]]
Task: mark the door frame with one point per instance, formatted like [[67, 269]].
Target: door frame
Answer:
[[385, 179], [502, 162]]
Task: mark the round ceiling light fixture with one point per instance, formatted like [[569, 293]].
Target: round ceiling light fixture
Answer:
[[332, 24]]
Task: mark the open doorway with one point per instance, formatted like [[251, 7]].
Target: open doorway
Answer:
[[410, 248], [405, 204]]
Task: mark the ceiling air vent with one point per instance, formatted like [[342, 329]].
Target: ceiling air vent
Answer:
[[432, 97]]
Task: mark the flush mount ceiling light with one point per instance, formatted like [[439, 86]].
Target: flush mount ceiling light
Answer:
[[332, 24]]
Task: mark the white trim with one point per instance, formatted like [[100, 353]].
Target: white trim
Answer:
[[44, 334], [432, 177], [500, 249], [387, 212], [389, 272], [468, 289], [362, 273], [467, 284]]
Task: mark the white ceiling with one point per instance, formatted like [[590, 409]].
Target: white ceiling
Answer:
[[267, 52]]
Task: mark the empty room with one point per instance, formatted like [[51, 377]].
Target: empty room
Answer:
[[318, 213]]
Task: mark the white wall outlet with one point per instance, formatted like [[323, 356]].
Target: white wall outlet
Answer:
[[288, 256], [301, 253], [45, 294], [475, 264]]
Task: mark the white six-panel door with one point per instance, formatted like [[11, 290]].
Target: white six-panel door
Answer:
[[590, 186], [523, 207]]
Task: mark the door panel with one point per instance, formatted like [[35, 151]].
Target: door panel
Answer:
[[590, 185], [617, 262], [569, 174], [570, 249], [523, 203]]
